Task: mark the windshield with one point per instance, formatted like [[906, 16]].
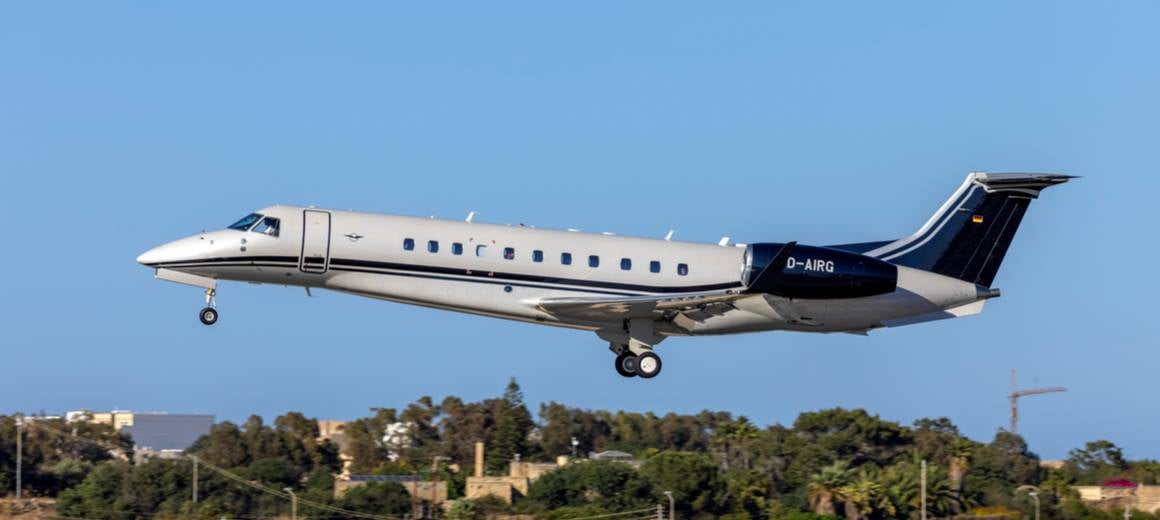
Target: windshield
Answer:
[[268, 226], [246, 221]]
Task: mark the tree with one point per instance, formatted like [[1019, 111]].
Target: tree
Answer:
[[826, 487], [512, 425], [691, 477], [1097, 461], [380, 498], [607, 485]]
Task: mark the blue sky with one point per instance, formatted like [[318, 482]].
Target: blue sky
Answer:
[[123, 126]]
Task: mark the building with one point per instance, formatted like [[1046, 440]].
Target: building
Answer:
[[1121, 495], [117, 418], [515, 484]]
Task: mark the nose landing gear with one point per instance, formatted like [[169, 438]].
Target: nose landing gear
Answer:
[[209, 314]]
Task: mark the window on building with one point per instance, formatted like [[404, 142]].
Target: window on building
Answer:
[[456, 248], [593, 261], [683, 269], [625, 264], [537, 256], [654, 267], [481, 251], [432, 246], [408, 244], [566, 258]]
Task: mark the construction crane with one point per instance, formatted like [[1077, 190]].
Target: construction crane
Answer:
[[1016, 394]]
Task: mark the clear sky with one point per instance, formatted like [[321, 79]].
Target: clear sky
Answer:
[[123, 126]]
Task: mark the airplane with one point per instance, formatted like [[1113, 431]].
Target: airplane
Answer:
[[632, 292]]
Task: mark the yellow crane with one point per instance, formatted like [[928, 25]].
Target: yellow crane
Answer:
[[1016, 394]]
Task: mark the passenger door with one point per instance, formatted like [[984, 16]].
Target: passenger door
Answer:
[[315, 256]]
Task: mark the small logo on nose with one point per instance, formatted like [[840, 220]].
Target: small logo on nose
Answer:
[[353, 236]]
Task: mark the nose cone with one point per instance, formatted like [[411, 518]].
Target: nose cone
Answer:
[[179, 251]]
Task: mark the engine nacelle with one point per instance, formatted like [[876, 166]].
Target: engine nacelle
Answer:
[[810, 272]]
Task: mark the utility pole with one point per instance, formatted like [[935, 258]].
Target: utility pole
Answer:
[[435, 481], [1016, 394], [923, 489], [19, 452], [293, 503], [672, 503], [194, 457]]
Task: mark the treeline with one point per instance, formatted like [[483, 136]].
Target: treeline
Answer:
[[833, 463]]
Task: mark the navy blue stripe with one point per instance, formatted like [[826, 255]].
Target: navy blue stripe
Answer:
[[942, 219], [411, 269]]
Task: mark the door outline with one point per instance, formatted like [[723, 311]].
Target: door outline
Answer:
[[313, 267]]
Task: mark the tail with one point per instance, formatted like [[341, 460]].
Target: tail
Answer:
[[969, 235]]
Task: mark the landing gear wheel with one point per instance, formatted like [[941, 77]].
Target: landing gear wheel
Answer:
[[208, 315], [626, 364], [648, 365]]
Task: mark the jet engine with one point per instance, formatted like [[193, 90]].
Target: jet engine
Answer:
[[810, 272]]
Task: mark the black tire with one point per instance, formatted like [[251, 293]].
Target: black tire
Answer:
[[626, 364], [208, 316], [648, 365]]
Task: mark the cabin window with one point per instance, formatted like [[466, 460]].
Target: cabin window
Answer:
[[456, 248], [683, 269], [625, 264], [593, 261], [566, 258], [654, 267], [509, 253], [268, 226], [432, 246], [408, 244], [481, 251], [537, 256]]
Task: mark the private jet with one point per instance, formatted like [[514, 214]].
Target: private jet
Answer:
[[632, 292]]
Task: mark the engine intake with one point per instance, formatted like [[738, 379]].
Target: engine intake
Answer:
[[810, 272]]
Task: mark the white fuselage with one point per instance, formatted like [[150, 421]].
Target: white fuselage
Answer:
[[468, 267]]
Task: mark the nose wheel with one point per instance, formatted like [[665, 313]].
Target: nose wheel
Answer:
[[644, 365], [209, 314]]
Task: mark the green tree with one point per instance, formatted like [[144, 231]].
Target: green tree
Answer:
[[381, 498], [826, 487], [607, 485], [512, 425], [691, 477]]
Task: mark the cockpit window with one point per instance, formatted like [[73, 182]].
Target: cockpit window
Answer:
[[246, 221], [267, 226]]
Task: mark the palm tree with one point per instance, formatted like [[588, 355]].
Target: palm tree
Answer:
[[866, 497], [742, 432], [826, 487], [961, 451]]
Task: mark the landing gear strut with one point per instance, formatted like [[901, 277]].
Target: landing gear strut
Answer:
[[209, 315]]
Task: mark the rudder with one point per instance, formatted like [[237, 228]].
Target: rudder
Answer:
[[970, 234]]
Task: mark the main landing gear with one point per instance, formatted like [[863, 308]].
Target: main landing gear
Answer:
[[209, 315], [644, 365]]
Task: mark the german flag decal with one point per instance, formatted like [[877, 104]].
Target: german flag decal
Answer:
[[978, 219]]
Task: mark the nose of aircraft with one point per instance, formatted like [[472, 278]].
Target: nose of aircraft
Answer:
[[184, 250]]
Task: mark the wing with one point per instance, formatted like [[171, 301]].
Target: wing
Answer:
[[675, 307]]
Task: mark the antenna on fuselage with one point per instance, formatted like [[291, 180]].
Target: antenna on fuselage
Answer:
[[669, 236], [470, 215], [723, 242]]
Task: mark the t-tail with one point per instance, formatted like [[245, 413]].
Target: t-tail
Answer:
[[969, 235]]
